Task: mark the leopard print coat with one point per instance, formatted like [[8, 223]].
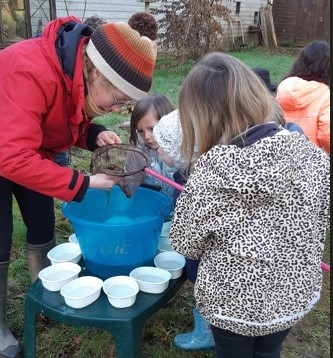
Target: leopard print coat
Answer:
[[256, 217]]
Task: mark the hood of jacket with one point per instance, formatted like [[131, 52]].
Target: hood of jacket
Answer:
[[257, 173], [61, 39], [295, 93]]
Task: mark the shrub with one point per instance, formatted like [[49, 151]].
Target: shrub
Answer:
[[191, 28]]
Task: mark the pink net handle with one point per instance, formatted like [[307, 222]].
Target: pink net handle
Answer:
[[325, 267], [164, 179]]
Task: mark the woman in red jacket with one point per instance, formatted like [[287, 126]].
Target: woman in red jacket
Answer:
[[51, 88], [304, 94]]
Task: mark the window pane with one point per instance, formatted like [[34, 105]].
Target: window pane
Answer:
[[40, 15]]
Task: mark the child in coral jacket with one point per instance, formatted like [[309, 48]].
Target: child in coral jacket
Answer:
[[304, 94]]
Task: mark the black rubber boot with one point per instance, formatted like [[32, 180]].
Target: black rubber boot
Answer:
[[9, 346], [37, 257]]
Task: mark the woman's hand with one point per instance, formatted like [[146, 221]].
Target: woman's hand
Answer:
[[107, 137], [101, 181]]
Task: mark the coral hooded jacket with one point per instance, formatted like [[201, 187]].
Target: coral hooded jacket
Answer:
[[42, 112], [307, 103]]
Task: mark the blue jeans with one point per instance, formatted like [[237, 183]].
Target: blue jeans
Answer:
[[233, 345], [37, 212], [191, 267]]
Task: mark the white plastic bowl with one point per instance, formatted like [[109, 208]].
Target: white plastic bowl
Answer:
[[164, 245], [82, 292], [67, 252], [73, 239], [171, 261], [151, 279], [54, 277], [121, 291]]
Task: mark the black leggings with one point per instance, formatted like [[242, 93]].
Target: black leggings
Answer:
[[37, 211], [232, 345]]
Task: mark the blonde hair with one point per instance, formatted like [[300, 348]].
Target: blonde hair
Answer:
[[88, 68], [220, 98], [277, 112]]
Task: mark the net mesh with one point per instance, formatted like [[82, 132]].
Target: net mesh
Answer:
[[124, 163]]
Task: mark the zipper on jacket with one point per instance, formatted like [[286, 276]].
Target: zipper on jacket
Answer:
[[67, 120]]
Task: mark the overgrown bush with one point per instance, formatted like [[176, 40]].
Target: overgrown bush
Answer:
[[191, 28]]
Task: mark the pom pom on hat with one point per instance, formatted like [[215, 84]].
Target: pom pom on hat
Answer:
[[124, 55], [145, 24], [168, 134]]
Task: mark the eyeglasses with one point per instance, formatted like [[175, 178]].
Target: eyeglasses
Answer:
[[122, 104]]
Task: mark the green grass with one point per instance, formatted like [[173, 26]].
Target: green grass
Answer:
[[309, 338], [277, 64], [168, 81]]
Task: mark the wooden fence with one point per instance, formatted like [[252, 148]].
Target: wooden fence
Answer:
[[298, 22]]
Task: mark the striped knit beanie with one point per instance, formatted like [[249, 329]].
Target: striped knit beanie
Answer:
[[124, 57]]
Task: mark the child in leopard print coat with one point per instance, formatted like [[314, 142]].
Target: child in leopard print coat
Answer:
[[254, 211]]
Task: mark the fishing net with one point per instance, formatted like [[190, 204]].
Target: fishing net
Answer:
[[124, 163]]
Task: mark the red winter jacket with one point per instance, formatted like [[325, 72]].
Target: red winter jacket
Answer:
[[41, 113]]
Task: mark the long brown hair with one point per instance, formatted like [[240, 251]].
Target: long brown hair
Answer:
[[220, 98]]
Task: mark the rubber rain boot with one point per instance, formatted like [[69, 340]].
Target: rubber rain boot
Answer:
[[9, 346], [200, 338], [37, 257]]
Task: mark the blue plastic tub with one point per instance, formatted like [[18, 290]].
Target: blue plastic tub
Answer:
[[117, 234]]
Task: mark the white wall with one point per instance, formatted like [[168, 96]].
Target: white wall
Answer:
[[121, 10], [246, 15], [110, 10]]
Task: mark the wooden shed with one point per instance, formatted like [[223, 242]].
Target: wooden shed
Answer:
[[298, 22]]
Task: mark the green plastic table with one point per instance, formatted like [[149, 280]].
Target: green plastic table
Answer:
[[124, 324]]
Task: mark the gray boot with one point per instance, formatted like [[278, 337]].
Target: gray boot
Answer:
[[37, 257], [9, 346]]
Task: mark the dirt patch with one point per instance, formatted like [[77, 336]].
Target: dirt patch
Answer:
[[288, 51]]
